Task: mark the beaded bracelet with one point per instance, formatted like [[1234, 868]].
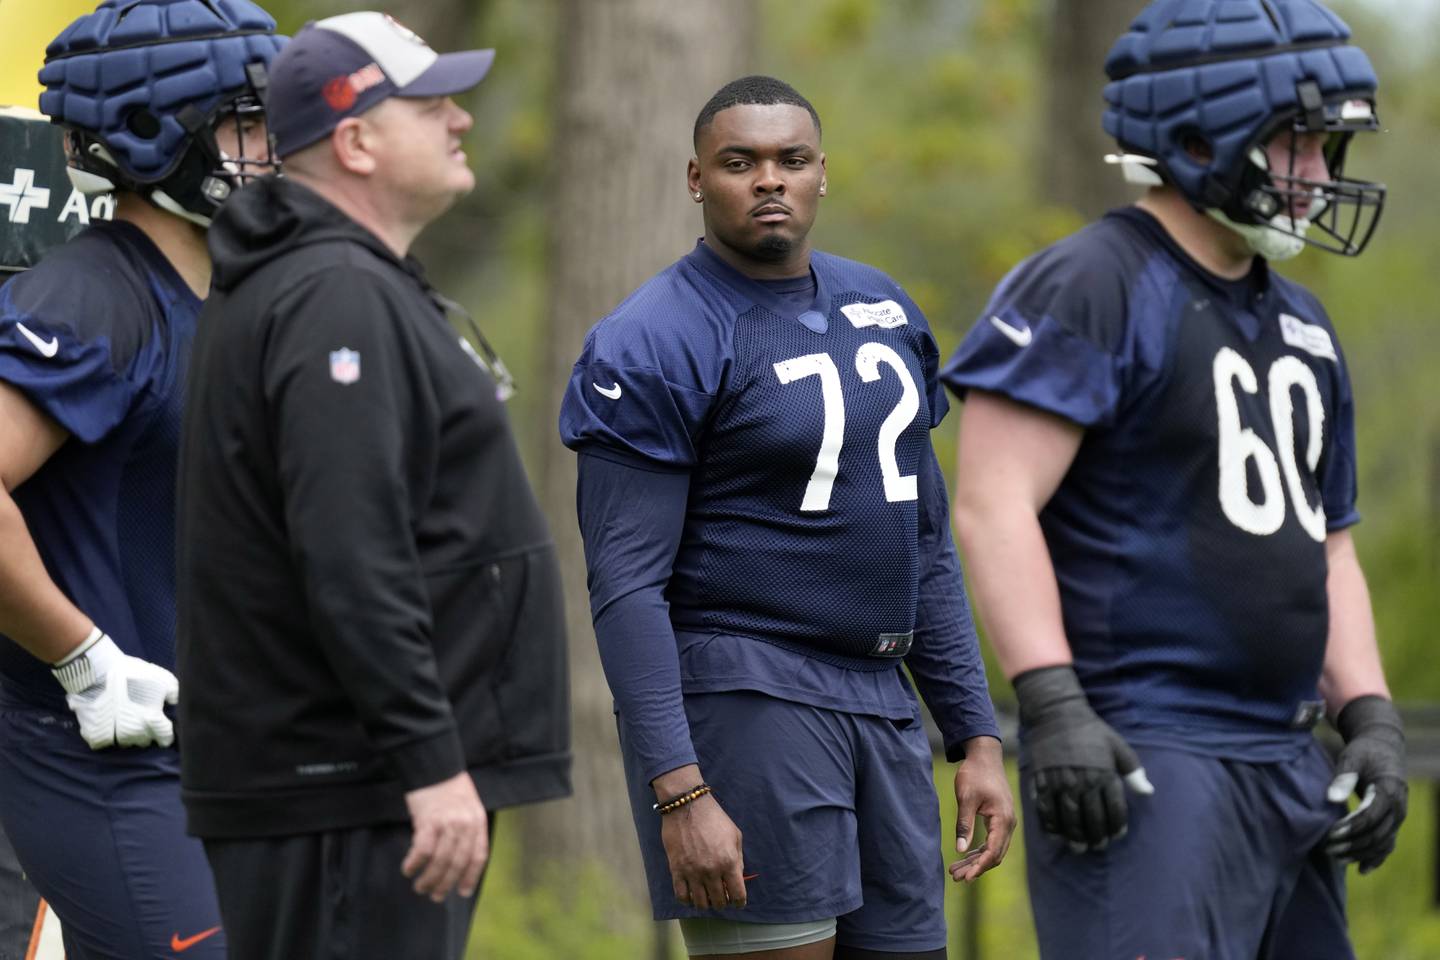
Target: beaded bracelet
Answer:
[[675, 803]]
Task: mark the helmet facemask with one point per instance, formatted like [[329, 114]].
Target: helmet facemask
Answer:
[[227, 150], [1280, 212]]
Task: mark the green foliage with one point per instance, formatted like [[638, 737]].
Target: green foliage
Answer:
[[1392, 910], [996, 906], [572, 912], [932, 184]]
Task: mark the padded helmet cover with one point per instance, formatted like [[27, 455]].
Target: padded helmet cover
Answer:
[[1225, 72], [136, 74]]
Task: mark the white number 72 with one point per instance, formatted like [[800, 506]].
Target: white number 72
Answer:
[[827, 463]]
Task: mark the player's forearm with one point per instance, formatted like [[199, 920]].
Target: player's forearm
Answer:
[[945, 656], [631, 519], [954, 688], [673, 783], [642, 667], [1012, 580], [1011, 460], [945, 659], [33, 611], [1352, 656]]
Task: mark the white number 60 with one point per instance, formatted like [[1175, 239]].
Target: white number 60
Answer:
[[1239, 445]]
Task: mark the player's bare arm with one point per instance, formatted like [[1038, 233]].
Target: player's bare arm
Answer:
[[1011, 460], [1352, 655], [1372, 764], [33, 611]]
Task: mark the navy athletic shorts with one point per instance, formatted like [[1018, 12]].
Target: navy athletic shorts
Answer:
[[1222, 863], [101, 835], [838, 814]]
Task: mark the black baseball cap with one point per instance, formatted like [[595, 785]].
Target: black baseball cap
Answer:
[[342, 66]]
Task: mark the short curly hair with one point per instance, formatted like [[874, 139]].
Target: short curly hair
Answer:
[[755, 89]]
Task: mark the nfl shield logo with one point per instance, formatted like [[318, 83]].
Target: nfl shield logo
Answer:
[[345, 365]]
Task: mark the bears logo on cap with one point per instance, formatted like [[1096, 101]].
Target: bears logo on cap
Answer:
[[341, 92]]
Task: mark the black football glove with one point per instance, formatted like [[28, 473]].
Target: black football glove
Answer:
[[1077, 761], [1372, 765]]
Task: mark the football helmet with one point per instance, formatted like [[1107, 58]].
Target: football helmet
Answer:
[[1197, 90], [146, 90]]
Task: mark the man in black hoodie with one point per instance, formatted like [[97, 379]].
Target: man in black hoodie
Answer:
[[370, 619]]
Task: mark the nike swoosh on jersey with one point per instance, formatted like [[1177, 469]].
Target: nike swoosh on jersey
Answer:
[[1021, 337], [47, 348], [181, 945], [612, 392]]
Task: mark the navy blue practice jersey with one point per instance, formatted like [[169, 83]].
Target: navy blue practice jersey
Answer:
[[803, 437], [98, 337], [1188, 536]]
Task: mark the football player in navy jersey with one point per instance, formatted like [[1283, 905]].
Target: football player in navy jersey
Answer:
[[765, 530], [1156, 485], [161, 101]]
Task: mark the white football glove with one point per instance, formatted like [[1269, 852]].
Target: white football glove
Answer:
[[118, 699]]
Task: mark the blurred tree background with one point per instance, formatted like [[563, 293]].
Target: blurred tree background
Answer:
[[962, 135]]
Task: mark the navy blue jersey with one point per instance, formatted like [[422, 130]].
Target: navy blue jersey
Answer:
[[98, 336], [803, 438], [1188, 536]]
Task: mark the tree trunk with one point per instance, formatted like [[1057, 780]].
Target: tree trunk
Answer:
[[1071, 151], [633, 74]]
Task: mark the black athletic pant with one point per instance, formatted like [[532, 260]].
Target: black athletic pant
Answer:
[[337, 895], [18, 903]]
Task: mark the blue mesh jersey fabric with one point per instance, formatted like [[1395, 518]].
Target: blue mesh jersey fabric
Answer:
[[98, 337], [803, 436], [160, 56], [1188, 535]]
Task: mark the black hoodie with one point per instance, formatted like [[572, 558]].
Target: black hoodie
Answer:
[[369, 599]]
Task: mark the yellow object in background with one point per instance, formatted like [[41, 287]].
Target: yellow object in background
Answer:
[[26, 29]]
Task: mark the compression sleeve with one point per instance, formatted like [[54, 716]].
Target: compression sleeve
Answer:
[[631, 518], [945, 656]]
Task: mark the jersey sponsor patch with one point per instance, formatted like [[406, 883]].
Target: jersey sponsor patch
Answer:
[[1312, 338], [345, 365], [887, 314]]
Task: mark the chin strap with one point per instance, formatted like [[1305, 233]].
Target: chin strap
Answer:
[[170, 205], [1277, 240]]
